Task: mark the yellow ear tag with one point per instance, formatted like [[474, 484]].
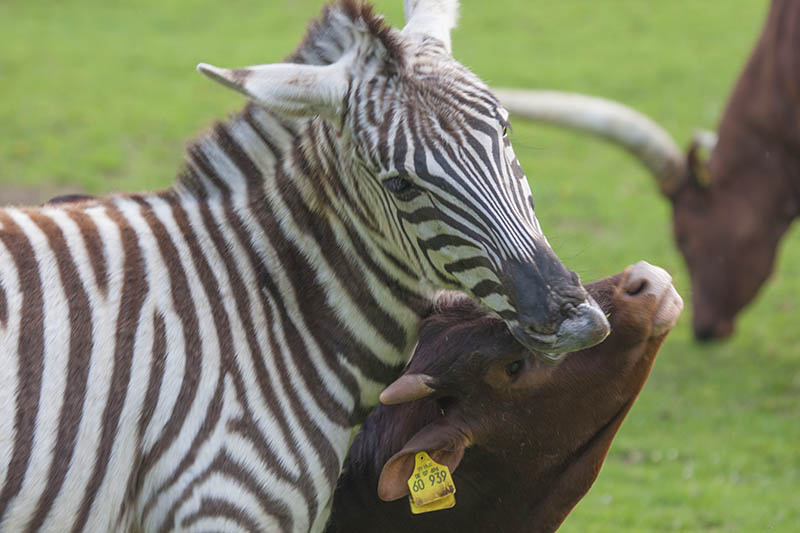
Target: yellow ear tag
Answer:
[[431, 486]]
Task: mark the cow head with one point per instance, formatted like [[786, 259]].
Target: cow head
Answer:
[[550, 425], [728, 218]]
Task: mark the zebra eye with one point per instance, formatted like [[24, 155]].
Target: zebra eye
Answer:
[[400, 187], [512, 369], [505, 131]]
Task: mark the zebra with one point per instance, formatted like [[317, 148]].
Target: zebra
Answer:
[[196, 358]]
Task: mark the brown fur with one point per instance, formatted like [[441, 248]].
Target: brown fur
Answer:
[[729, 229], [537, 440]]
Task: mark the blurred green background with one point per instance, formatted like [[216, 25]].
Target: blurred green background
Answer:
[[101, 95]]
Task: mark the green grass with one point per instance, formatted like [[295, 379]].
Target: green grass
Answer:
[[103, 95]]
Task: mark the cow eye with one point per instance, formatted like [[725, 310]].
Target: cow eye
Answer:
[[400, 187], [512, 369]]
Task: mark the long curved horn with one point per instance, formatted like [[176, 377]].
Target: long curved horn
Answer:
[[612, 121]]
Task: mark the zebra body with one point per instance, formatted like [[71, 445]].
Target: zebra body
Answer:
[[172, 357], [196, 359]]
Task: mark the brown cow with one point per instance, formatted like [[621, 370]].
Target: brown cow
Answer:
[[729, 214], [527, 439], [728, 226]]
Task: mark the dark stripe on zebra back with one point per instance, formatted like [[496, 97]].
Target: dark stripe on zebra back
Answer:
[[69, 199], [80, 349], [30, 352], [94, 246], [185, 308], [134, 287], [156, 378]]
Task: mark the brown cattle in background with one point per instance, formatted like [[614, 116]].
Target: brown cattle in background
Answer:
[[728, 225], [729, 214], [524, 440]]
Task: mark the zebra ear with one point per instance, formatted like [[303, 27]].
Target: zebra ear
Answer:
[[288, 88], [431, 18]]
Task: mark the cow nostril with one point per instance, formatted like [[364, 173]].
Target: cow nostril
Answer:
[[704, 333], [636, 288]]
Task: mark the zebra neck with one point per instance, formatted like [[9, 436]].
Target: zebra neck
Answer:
[[338, 294]]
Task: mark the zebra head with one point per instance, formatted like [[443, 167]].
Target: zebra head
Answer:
[[429, 170]]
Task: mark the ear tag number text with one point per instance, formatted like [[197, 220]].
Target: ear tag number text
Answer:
[[430, 486]]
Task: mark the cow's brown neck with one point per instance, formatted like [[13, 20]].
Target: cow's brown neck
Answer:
[[768, 91], [761, 124], [764, 108]]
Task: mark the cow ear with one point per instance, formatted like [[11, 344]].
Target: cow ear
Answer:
[[288, 88], [443, 442], [408, 387], [697, 157]]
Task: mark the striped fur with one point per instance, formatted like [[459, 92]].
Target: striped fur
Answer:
[[196, 359]]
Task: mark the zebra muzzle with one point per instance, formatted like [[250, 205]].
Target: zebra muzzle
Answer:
[[554, 313], [586, 326]]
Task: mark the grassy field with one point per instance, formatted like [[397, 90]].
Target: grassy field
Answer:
[[101, 96]]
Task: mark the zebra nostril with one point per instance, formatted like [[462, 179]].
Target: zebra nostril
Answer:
[[539, 330], [535, 328]]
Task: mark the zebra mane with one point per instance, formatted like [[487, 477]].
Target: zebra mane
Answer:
[[341, 26]]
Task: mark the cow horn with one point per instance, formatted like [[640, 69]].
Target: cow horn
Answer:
[[407, 388], [615, 122]]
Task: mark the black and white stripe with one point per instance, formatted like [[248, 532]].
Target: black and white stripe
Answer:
[[196, 359]]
